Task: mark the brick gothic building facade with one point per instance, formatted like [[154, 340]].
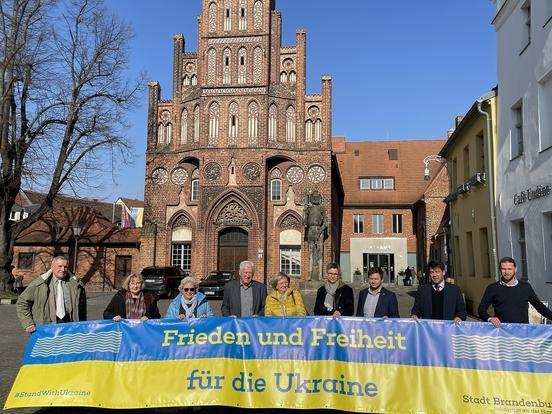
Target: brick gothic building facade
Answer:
[[234, 155]]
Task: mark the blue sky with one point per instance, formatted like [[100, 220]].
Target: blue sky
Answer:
[[401, 69]]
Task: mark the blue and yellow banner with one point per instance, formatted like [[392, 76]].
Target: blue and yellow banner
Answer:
[[352, 364]]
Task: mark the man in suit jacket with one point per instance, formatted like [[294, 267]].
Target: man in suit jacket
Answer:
[[376, 301], [244, 296], [438, 299]]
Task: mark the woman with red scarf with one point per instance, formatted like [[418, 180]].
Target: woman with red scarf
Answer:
[[131, 302]]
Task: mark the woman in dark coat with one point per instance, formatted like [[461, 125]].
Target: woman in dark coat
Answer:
[[131, 302]]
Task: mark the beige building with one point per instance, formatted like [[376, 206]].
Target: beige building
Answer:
[[470, 153]]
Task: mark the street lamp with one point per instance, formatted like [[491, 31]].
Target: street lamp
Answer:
[[76, 234], [429, 158]]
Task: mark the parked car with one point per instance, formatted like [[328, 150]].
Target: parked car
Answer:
[[163, 281], [213, 284]]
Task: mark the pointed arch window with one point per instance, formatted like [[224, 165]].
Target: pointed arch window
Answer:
[[308, 130], [318, 130], [196, 123], [160, 134], [233, 124], [253, 122], [258, 15], [242, 65], [184, 127], [242, 20], [211, 66], [283, 77], [272, 123], [227, 16], [168, 133], [186, 81], [226, 66], [292, 76], [193, 80], [213, 123], [257, 64], [290, 124], [212, 17]]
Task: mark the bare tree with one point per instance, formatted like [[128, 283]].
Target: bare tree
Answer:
[[63, 99]]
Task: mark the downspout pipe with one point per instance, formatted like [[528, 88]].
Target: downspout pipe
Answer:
[[490, 179]]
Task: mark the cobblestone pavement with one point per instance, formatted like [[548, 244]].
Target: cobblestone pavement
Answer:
[[13, 341]]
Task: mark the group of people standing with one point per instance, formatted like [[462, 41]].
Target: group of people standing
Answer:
[[57, 296]]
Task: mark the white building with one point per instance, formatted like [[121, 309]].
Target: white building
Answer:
[[524, 156]]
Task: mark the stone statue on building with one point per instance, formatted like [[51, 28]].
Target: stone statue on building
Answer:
[[315, 231]]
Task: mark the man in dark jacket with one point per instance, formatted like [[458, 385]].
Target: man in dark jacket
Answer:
[[438, 299], [56, 296], [335, 298], [244, 297], [376, 301], [510, 298]]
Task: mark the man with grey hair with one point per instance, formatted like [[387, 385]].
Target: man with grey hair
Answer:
[[244, 296], [56, 296]]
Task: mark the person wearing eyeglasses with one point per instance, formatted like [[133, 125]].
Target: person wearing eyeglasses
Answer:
[[132, 302], [334, 298], [190, 303]]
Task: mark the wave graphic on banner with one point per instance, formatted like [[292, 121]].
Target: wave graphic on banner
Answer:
[[77, 344], [502, 349]]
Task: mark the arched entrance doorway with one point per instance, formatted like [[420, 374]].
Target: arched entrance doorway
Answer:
[[232, 248]]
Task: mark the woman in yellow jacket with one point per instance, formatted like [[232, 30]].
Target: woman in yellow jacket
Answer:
[[284, 300]]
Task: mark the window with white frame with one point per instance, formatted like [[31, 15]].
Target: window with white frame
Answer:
[[276, 189], [377, 183], [377, 223], [397, 223], [290, 260], [181, 255], [194, 194], [358, 223], [545, 111], [516, 135]]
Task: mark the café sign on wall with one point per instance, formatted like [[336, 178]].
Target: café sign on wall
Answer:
[[532, 193]]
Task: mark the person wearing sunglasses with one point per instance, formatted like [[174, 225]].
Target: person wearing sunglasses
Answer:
[[131, 302], [190, 303]]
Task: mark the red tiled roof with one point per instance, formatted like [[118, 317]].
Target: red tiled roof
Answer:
[[110, 211], [132, 202], [56, 227], [372, 160]]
